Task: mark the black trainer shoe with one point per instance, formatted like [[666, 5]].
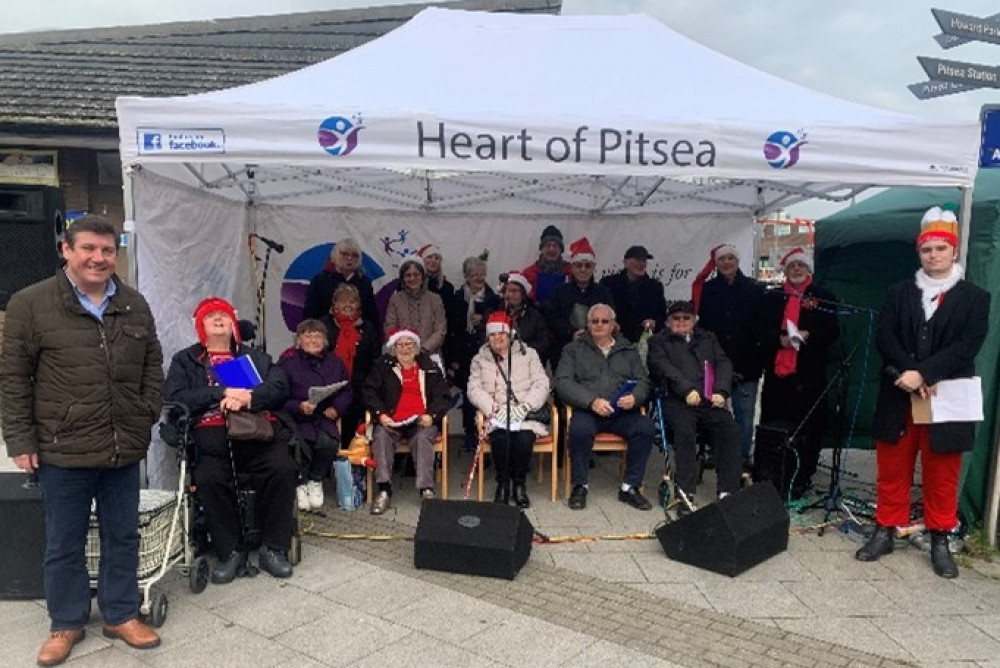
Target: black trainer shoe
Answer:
[[226, 570], [274, 562], [634, 498], [578, 498]]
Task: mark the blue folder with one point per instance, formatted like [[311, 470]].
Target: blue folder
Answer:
[[239, 372]]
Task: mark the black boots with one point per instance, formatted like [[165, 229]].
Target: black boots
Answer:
[[502, 494], [880, 543], [521, 496], [944, 565]]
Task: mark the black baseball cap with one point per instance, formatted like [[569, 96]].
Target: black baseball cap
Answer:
[[637, 253]]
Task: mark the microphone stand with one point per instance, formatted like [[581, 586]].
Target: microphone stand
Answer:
[[261, 288]]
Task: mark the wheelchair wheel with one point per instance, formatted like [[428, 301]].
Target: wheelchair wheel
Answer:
[[295, 552], [198, 575], [158, 610]]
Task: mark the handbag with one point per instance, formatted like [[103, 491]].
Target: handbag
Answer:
[[247, 426]]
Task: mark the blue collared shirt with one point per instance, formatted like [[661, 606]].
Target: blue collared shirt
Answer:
[[96, 310]]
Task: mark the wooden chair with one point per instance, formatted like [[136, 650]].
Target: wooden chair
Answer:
[[544, 445], [603, 442], [440, 447]]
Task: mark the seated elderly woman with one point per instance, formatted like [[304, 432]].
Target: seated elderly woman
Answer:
[[313, 369], [512, 434], [408, 396], [193, 381]]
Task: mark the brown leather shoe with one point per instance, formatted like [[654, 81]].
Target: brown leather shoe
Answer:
[[134, 633], [58, 645]]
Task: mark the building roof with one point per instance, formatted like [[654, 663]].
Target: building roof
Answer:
[[67, 80]]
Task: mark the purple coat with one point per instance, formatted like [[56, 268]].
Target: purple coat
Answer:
[[305, 371]]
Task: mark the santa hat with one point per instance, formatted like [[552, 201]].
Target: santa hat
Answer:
[[498, 322], [581, 251], [725, 249], [938, 224], [397, 334], [211, 305], [798, 254], [520, 279], [428, 250]]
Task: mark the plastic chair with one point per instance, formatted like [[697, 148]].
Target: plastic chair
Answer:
[[440, 447], [544, 445]]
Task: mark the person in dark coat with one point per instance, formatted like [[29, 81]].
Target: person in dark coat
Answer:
[[638, 298], [312, 365], [796, 327], [358, 343], [192, 381], [407, 394], [729, 307], [566, 313], [467, 312], [344, 266], [696, 377], [436, 280], [930, 330], [529, 323]]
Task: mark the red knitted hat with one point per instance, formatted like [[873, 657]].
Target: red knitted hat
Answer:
[[498, 322], [211, 305]]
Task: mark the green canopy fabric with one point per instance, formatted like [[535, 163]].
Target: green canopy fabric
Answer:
[[863, 250]]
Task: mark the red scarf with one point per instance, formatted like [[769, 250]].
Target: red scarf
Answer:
[[347, 342], [787, 358], [699, 281]]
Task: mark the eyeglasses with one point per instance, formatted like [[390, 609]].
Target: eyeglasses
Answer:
[[405, 344], [681, 316], [349, 254], [601, 321]]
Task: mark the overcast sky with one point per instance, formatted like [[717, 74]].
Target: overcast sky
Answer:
[[861, 50]]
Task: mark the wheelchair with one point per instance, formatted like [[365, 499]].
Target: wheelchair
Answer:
[[176, 430]]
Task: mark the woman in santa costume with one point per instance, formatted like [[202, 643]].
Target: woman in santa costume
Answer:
[[931, 329]]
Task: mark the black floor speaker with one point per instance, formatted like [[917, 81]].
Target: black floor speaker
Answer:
[[731, 535], [472, 537], [31, 221], [774, 456], [22, 541]]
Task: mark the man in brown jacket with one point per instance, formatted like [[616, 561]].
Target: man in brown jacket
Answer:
[[81, 385]]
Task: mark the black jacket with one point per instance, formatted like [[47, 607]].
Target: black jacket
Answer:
[[817, 316], [187, 381], [568, 307], [384, 386], [461, 345], [529, 323], [319, 295], [369, 348], [942, 348], [679, 365], [729, 311], [635, 301]]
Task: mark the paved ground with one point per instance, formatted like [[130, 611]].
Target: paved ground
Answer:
[[355, 602]]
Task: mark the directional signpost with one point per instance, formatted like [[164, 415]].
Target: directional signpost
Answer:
[[948, 77]]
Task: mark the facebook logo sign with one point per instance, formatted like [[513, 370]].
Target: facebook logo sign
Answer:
[[152, 141]]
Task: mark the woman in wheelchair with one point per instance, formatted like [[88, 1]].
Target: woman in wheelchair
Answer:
[[495, 363], [408, 396], [266, 462], [312, 365]]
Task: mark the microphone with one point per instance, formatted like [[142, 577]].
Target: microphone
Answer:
[[270, 243]]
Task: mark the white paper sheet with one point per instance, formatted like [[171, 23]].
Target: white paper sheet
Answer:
[[958, 400]]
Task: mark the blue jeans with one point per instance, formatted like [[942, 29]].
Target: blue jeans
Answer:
[[67, 495], [636, 429], [744, 402]]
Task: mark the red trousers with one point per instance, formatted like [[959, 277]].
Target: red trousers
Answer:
[[940, 472]]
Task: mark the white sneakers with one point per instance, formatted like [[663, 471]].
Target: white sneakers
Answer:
[[309, 496], [302, 499], [314, 490]]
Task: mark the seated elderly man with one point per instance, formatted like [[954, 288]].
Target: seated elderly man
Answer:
[[602, 377], [408, 396], [696, 377]]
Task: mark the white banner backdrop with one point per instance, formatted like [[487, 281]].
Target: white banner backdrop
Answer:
[[680, 247]]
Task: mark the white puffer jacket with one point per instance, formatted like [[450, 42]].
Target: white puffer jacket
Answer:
[[487, 386]]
